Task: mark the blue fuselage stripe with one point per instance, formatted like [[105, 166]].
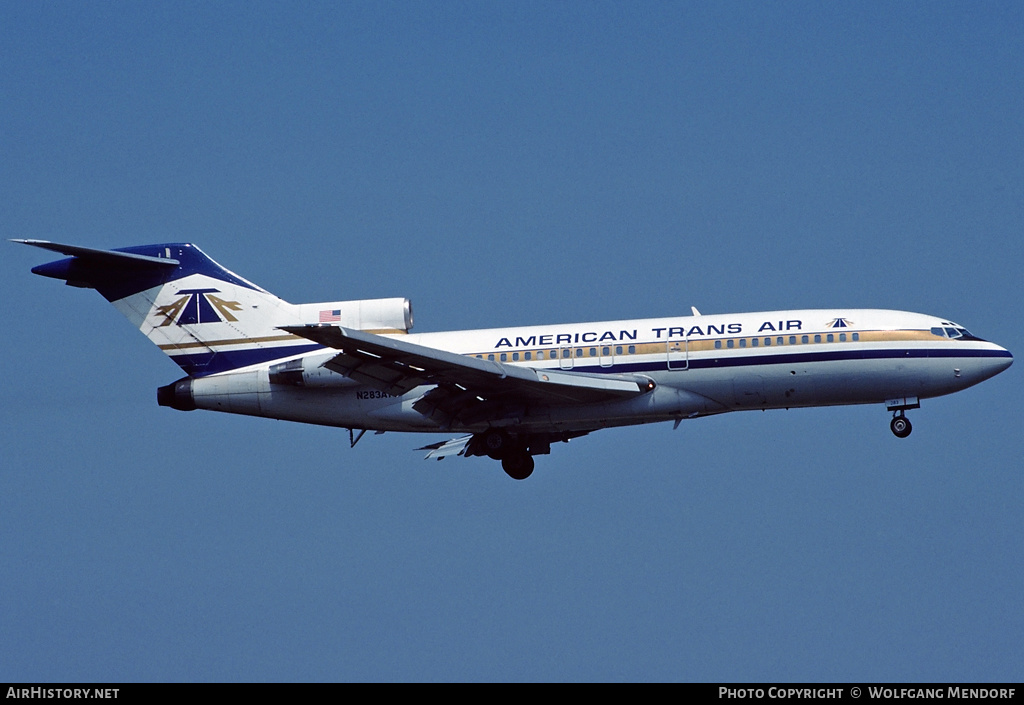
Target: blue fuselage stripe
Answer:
[[209, 363], [784, 359]]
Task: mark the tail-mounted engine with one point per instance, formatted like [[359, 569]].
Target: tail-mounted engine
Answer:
[[380, 316]]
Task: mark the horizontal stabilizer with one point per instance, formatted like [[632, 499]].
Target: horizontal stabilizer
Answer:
[[114, 273], [110, 258]]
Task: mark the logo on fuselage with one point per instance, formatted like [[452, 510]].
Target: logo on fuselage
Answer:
[[839, 323], [198, 306]]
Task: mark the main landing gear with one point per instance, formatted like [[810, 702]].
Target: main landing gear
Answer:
[[515, 448], [900, 425], [518, 466], [515, 457]]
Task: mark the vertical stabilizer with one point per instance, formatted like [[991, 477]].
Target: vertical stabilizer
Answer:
[[205, 317]]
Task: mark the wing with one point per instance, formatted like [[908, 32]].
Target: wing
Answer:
[[465, 388]]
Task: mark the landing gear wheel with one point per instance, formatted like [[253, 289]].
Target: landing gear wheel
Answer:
[[900, 426], [518, 466], [495, 444]]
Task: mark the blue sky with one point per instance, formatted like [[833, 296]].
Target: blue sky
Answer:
[[506, 164]]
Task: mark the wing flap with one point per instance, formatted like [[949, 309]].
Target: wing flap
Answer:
[[442, 449]]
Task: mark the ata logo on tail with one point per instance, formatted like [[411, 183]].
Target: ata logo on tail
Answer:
[[197, 306]]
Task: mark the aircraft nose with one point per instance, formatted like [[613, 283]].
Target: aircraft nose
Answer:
[[988, 361], [1000, 359], [1005, 361]]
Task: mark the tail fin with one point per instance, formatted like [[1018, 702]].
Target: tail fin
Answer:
[[206, 318]]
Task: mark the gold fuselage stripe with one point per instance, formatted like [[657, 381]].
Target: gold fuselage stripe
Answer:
[[649, 348], [263, 339], [230, 341], [689, 346]]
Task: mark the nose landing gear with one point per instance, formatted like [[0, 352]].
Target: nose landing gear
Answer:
[[900, 425]]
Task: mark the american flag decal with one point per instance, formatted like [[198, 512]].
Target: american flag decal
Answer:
[[330, 316]]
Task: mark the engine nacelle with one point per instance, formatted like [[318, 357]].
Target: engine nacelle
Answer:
[[371, 315], [177, 395]]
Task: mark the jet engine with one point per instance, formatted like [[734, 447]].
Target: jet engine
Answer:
[[380, 316]]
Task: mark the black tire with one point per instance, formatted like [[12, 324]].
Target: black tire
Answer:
[[496, 444], [518, 466], [900, 426]]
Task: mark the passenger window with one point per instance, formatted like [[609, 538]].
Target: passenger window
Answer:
[[792, 340], [618, 349], [491, 357], [804, 339], [817, 338], [730, 343], [743, 342], [831, 338], [767, 341], [754, 342], [515, 356], [718, 344], [842, 337], [856, 336], [593, 352], [606, 350], [504, 357], [632, 349], [781, 341], [579, 352]]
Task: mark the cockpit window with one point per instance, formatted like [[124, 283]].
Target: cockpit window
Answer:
[[953, 331]]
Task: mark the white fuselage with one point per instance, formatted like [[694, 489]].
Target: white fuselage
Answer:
[[700, 365]]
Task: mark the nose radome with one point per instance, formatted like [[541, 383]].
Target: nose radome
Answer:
[[1006, 361], [998, 362]]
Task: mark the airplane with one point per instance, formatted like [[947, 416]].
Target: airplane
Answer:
[[508, 392]]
